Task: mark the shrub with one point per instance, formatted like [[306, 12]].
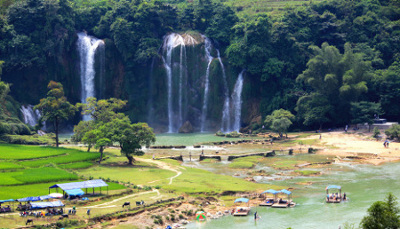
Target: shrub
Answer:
[[220, 134], [376, 132], [393, 131]]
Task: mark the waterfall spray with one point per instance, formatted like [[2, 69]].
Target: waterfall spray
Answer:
[[237, 102], [207, 49], [87, 46]]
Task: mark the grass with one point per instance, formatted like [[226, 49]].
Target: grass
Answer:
[[76, 165], [307, 172], [71, 156], [20, 191], [141, 173], [32, 176], [20, 152], [5, 165], [241, 165], [193, 181]]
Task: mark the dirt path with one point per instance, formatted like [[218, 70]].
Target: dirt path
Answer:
[[107, 204], [163, 165]]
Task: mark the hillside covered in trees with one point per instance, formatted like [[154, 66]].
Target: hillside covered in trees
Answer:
[[328, 62]]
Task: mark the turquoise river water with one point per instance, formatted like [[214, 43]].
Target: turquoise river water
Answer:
[[363, 184]]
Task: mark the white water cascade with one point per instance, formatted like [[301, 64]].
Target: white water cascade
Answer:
[[226, 117], [237, 102], [87, 46], [31, 117], [207, 49], [171, 41]]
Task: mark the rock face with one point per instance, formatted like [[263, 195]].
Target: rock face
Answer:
[[186, 128]]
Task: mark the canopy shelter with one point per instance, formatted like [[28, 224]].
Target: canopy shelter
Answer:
[[75, 192], [5, 201], [333, 198], [81, 185], [241, 200], [271, 191], [53, 204], [6, 208], [35, 198], [288, 193]]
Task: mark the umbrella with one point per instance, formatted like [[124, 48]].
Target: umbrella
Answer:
[[200, 215]]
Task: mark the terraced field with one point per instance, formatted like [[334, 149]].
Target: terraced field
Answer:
[[27, 170]]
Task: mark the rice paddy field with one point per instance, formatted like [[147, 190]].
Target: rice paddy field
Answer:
[[30, 170]]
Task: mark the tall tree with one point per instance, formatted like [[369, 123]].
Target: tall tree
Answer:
[[280, 121], [365, 112], [382, 215], [55, 107]]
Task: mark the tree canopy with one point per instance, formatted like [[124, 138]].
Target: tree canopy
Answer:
[[55, 107]]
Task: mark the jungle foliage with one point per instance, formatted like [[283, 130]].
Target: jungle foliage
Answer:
[[316, 60]]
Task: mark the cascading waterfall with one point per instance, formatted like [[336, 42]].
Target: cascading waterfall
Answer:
[[237, 102], [31, 117], [207, 49], [87, 46], [170, 42], [226, 117]]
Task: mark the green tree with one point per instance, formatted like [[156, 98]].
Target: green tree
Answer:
[[338, 78], [130, 137], [364, 112], [393, 132], [80, 130], [280, 121], [314, 109], [382, 215], [55, 107], [377, 132]]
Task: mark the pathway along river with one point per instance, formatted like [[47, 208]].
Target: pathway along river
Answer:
[[363, 184]]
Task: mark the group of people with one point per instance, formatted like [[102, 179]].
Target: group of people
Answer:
[[386, 144], [335, 196], [50, 212], [24, 207], [5, 209]]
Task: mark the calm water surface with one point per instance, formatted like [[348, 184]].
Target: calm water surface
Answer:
[[364, 184]]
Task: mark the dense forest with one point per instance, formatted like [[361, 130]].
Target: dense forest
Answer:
[[329, 62]]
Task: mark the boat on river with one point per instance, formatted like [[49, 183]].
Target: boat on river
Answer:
[[270, 198], [284, 202], [334, 197], [240, 210]]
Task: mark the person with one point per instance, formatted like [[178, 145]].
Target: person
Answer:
[[154, 156], [345, 129], [272, 141], [344, 196], [88, 212], [255, 215], [387, 144], [202, 152], [320, 136], [384, 143]]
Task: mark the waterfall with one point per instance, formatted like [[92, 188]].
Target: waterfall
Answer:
[[87, 46], [237, 102], [172, 41], [31, 117], [207, 49], [226, 119]]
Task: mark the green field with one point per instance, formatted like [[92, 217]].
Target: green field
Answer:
[[71, 156], [32, 176], [20, 152]]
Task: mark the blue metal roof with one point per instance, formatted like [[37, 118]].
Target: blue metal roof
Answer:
[[82, 184], [285, 191], [4, 201], [271, 191], [53, 204], [244, 200], [34, 198], [75, 192], [333, 187]]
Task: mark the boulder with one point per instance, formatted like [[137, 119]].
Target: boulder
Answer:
[[186, 128]]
